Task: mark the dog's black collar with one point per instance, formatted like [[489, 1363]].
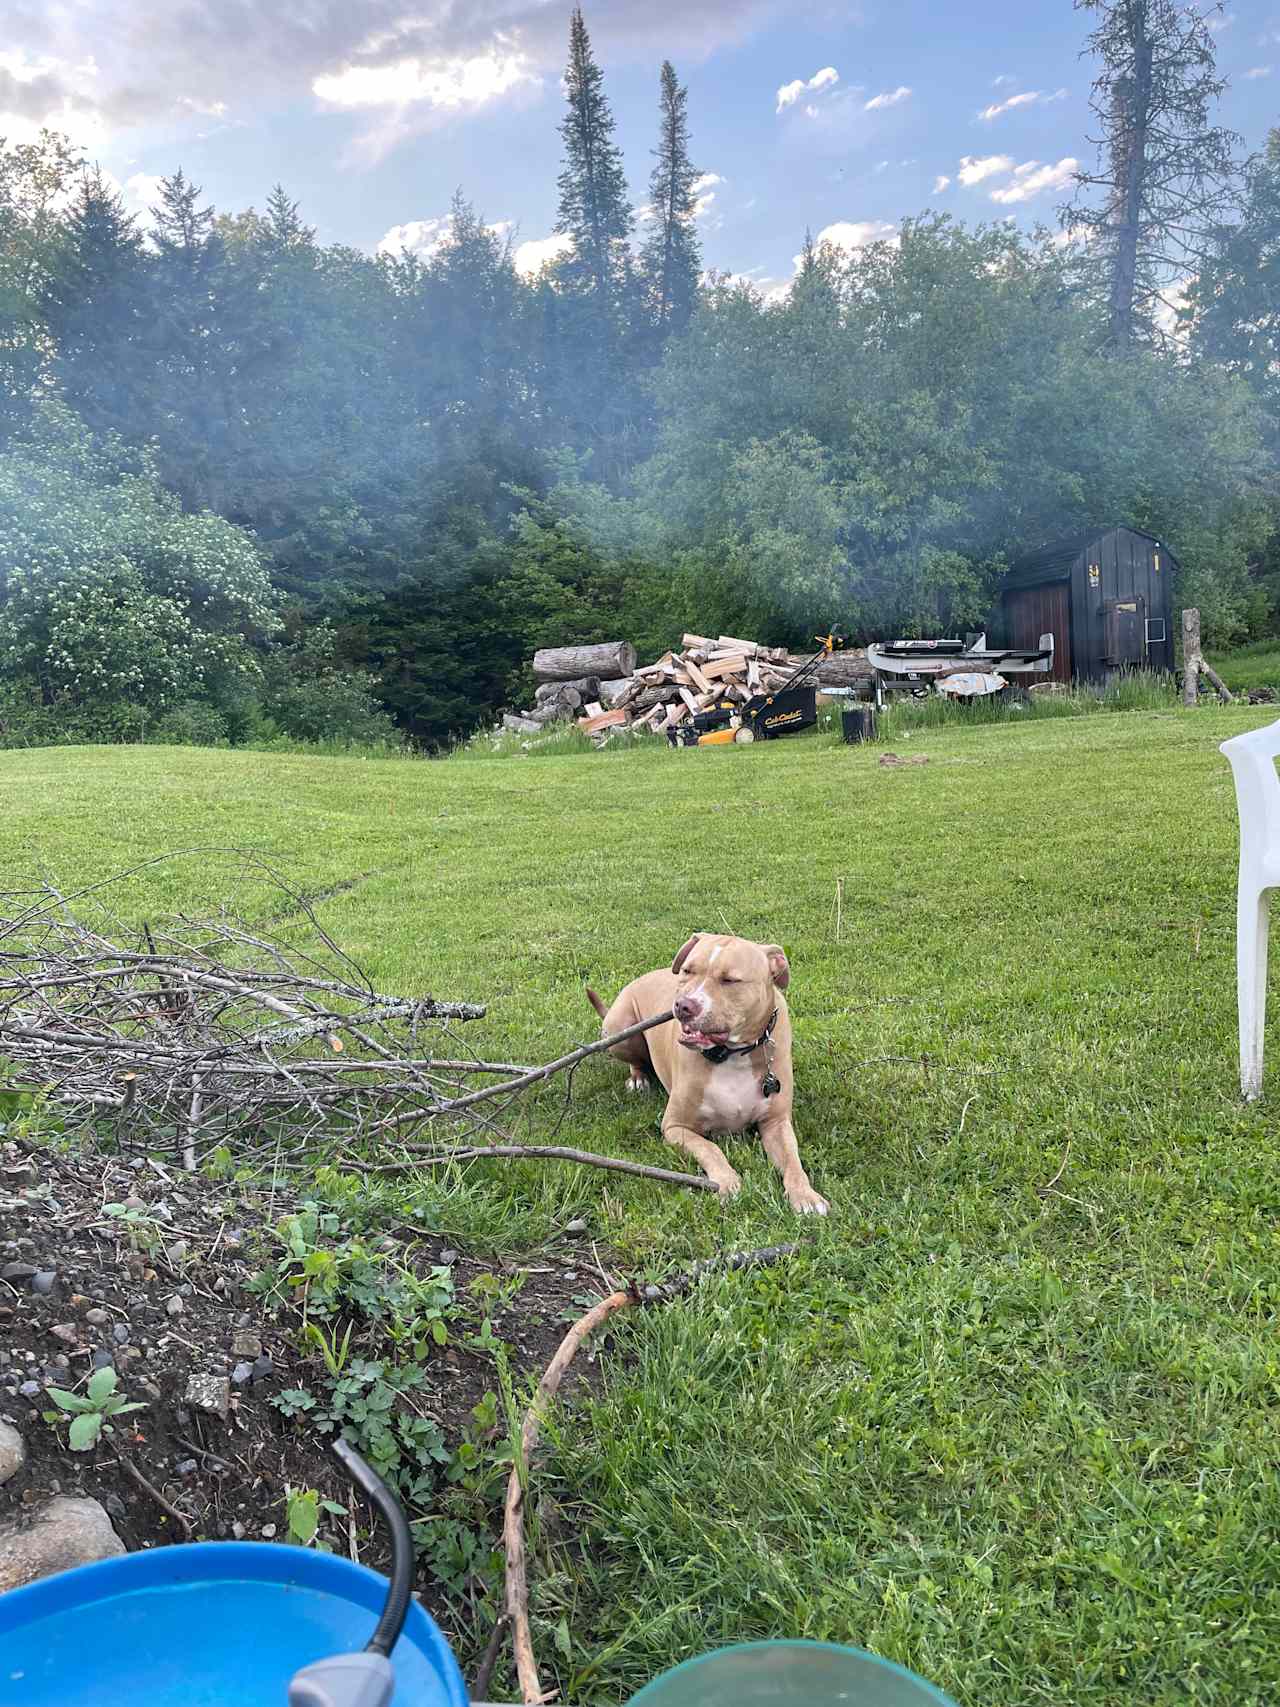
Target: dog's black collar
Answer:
[[719, 1052]]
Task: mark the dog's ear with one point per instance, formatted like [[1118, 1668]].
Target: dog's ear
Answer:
[[684, 953], [779, 970]]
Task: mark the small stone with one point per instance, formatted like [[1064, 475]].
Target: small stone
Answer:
[[211, 1393], [149, 1277], [239, 1531], [18, 1271], [13, 1452], [246, 1344], [44, 1282], [102, 1359], [65, 1332], [268, 1531], [176, 1253], [570, 1274], [220, 1284], [120, 1333], [174, 1305], [448, 1258], [63, 1533], [263, 1367], [151, 1390], [30, 1389], [129, 1353], [134, 1202], [97, 1318], [575, 1227], [188, 1467], [241, 1373]]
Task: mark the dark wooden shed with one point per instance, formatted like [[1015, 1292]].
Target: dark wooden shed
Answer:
[[1106, 597]]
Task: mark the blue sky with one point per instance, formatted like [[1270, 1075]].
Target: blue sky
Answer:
[[804, 114]]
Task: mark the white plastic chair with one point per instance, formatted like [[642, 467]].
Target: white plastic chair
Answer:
[[1252, 757]]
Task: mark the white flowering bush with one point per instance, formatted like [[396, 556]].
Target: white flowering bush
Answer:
[[111, 595]]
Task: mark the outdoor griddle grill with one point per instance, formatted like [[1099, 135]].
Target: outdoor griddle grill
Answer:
[[921, 666]]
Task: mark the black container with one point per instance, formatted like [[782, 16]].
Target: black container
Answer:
[[859, 723]]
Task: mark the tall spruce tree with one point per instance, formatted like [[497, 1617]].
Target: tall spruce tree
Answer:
[[94, 307], [594, 209], [672, 256], [1165, 173]]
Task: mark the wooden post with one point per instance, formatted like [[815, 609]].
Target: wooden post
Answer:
[[1190, 656]]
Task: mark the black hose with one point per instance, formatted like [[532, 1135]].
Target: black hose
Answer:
[[391, 1623]]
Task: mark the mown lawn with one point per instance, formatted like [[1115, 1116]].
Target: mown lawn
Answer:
[[1022, 1440]]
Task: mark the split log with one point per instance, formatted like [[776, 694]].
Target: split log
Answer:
[[603, 720], [616, 692], [609, 660], [734, 664]]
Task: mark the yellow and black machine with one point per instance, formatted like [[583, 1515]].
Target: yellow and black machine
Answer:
[[786, 711]]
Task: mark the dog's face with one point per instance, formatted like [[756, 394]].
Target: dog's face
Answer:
[[726, 989]]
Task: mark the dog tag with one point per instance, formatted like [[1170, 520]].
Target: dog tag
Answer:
[[772, 1085]]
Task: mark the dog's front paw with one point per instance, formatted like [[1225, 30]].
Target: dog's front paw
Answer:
[[728, 1184], [805, 1200], [640, 1082]]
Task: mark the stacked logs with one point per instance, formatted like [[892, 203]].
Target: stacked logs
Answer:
[[602, 690]]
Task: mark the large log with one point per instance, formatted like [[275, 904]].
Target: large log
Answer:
[[841, 669], [609, 660], [588, 687]]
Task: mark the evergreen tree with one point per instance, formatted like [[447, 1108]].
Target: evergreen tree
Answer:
[[189, 341], [594, 209], [672, 256], [1165, 173], [93, 306]]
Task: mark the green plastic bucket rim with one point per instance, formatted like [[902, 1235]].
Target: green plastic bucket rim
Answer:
[[931, 1690]]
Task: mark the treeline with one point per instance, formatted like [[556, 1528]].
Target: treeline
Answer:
[[251, 485]]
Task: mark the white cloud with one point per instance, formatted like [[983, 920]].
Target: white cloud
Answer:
[[141, 190], [531, 257], [1072, 234], [425, 238], [973, 170], [1256, 71], [1174, 299], [704, 193], [850, 234], [880, 166], [1217, 22], [1026, 99], [940, 183], [791, 92], [1031, 179], [890, 98], [39, 91], [1003, 80], [450, 84]]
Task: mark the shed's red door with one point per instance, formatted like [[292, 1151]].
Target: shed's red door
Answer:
[[1034, 611]]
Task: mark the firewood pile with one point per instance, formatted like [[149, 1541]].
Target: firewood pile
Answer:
[[601, 689]]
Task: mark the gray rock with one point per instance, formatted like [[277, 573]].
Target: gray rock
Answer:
[[44, 1282], [97, 1318], [188, 1467], [211, 1393], [575, 1227], [174, 1306], [246, 1344], [263, 1367], [120, 1333], [239, 1531], [63, 1533], [13, 1452], [241, 1373], [102, 1359], [18, 1271], [66, 1332], [268, 1531], [31, 1389], [448, 1258]]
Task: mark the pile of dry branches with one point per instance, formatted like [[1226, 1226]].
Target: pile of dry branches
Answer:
[[201, 1032]]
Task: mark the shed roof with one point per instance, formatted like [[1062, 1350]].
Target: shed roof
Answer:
[[1053, 562]]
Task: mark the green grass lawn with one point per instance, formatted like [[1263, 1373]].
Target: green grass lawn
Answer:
[[1024, 1441], [1255, 666]]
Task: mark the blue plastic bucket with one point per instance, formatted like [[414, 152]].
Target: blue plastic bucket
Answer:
[[789, 1674], [213, 1624]]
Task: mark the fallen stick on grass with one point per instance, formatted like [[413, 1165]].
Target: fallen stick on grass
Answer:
[[535, 1152], [516, 1600]]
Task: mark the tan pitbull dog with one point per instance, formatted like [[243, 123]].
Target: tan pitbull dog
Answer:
[[724, 1060]]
